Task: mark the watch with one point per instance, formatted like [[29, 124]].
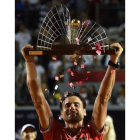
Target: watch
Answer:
[[113, 64]]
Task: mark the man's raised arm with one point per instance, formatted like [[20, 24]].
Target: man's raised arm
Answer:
[[104, 94], [40, 103]]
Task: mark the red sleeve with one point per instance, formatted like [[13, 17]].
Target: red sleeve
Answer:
[[94, 131], [48, 134]]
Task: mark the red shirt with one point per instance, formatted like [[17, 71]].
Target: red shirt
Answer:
[[57, 132]]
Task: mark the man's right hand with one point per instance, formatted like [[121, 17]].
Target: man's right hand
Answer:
[[28, 58]]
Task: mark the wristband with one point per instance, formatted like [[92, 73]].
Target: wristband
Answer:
[[113, 64]]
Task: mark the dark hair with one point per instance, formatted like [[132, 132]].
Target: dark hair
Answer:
[[69, 94]]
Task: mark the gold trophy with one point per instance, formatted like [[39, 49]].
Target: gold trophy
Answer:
[[75, 24]]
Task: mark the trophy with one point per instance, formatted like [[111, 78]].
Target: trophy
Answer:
[[86, 37]]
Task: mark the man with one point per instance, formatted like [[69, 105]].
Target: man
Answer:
[[73, 107], [28, 132]]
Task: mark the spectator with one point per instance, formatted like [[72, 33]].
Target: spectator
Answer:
[[83, 92], [54, 67], [109, 131], [28, 132], [40, 70], [91, 94], [23, 37]]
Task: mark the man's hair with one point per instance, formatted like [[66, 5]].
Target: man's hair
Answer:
[[69, 94]]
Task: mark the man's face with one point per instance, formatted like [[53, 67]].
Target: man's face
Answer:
[[72, 110], [29, 134]]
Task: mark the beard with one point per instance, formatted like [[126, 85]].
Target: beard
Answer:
[[73, 117]]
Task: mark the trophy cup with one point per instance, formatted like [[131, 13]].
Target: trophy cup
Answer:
[[86, 38]]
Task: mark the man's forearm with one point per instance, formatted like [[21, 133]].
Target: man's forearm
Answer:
[[31, 71], [107, 84], [32, 80]]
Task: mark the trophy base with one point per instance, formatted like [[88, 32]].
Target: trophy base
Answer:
[[69, 49]]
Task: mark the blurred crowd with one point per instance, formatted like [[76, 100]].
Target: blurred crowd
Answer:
[[29, 14]]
